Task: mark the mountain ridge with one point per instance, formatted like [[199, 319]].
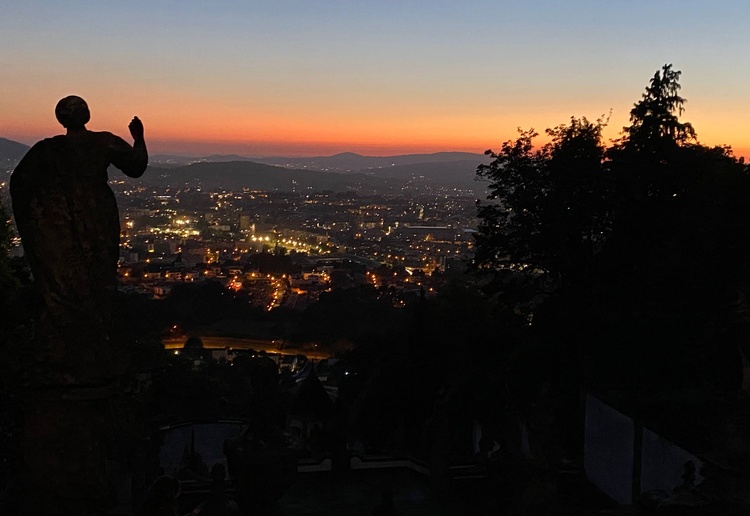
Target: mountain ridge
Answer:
[[342, 171], [12, 150], [341, 162]]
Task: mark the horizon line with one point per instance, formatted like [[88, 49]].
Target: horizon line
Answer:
[[276, 149]]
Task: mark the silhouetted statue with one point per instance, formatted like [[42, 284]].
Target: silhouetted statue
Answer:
[[69, 224], [68, 221]]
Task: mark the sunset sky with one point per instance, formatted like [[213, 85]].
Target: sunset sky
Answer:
[[309, 77]]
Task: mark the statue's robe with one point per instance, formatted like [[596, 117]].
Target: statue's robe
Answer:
[[69, 225]]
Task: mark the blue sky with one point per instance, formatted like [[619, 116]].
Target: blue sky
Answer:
[[371, 77]]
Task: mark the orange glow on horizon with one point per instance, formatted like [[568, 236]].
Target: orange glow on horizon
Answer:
[[192, 124]]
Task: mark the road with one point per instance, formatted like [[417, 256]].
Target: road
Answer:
[[267, 345]]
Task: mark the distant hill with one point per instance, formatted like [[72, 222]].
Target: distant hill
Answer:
[[11, 151], [340, 172], [235, 175], [344, 162], [351, 162], [172, 160], [450, 170]]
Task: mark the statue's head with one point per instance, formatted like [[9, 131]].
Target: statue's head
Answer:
[[72, 112]]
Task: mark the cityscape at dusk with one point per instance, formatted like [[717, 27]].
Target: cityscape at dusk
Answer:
[[302, 258]]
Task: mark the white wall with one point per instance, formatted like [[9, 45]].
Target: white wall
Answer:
[[608, 450]]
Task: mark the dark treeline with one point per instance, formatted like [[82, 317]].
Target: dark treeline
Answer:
[[630, 260]]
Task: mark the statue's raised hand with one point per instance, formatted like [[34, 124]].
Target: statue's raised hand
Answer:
[[136, 128]]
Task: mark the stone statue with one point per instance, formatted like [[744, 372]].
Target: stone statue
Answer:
[[68, 221]]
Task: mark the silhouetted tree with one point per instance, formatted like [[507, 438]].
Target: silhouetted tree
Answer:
[[655, 124], [548, 214], [578, 208], [639, 250], [518, 184]]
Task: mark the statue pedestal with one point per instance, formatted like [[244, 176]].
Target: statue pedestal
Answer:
[[65, 437]]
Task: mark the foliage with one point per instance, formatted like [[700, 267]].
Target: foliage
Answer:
[[7, 278], [355, 314], [268, 263], [510, 226], [578, 213], [548, 213], [194, 305], [655, 125], [635, 258]]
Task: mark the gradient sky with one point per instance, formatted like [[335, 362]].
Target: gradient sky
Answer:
[[311, 77]]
